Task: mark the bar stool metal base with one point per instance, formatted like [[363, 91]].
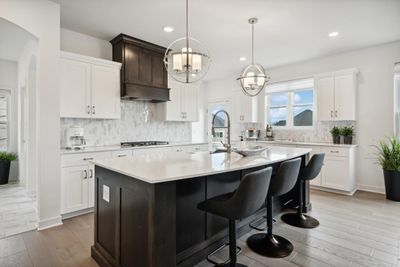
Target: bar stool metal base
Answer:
[[300, 220], [226, 262], [273, 246]]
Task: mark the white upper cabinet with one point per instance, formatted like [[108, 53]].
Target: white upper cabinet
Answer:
[[90, 87], [336, 95], [183, 105], [244, 108]]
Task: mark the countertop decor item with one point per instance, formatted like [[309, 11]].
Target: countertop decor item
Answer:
[[186, 59], [253, 78], [389, 159], [251, 151], [335, 132], [5, 161], [347, 132]]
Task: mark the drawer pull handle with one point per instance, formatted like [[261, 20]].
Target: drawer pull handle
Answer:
[[90, 174], [334, 151], [87, 158], [120, 156], [85, 174]]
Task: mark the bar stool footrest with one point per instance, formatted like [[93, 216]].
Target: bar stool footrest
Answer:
[[238, 251]]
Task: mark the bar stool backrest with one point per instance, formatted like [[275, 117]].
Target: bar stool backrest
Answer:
[[313, 167], [286, 177]]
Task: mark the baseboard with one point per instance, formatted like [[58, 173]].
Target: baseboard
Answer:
[[372, 189], [49, 223], [347, 193], [76, 213]]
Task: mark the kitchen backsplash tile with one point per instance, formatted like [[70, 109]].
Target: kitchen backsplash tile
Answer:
[[321, 132], [138, 122]]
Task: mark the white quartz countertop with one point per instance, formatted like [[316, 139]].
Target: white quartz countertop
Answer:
[[283, 142], [165, 167], [90, 149]]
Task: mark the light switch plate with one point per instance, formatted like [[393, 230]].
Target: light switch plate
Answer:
[[106, 193]]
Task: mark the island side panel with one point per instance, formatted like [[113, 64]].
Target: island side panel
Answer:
[[136, 226]]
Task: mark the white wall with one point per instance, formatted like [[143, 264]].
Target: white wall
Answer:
[[375, 98], [42, 19], [79, 43], [8, 81]]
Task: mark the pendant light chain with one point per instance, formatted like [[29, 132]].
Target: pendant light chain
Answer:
[[252, 43], [187, 41]]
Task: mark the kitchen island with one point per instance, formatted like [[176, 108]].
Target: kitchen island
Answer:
[[146, 206]]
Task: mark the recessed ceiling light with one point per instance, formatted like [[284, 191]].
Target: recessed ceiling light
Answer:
[[168, 29], [242, 59], [333, 34]]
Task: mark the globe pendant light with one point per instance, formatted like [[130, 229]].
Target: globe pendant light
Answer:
[[253, 78], [186, 59]]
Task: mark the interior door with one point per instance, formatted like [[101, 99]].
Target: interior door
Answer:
[[75, 188], [105, 92], [345, 97], [325, 89], [75, 90], [189, 102]]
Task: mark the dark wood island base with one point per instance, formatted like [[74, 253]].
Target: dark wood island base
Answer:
[[158, 225]]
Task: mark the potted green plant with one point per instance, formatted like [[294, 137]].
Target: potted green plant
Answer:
[[389, 159], [335, 132], [5, 161], [347, 132]]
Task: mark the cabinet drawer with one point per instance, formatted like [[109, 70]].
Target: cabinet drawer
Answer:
[[82, 158], [121, 154], [335, 151]]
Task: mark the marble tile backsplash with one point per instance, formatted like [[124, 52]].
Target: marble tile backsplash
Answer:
[[138, 122], [321, 132]]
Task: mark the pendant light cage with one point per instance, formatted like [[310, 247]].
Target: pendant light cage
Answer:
[[253, 78], [186, 59]]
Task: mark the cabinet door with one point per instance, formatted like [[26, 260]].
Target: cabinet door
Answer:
[[325, 98], [159, 74], [249, 109], [91, 184], [345, 97], [190, 107], [75, 89], [145, 66], [106, 103], [335, 173], [131, 63], [173, 108], [74, 190], [237, 113]]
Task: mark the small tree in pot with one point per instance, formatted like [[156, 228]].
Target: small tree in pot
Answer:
[[347, 132], [335, 132], [5, 161], [389, 159]]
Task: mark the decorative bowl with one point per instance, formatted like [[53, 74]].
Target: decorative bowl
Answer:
[[251, 151]]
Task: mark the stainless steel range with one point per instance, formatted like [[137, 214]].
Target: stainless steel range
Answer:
[[143, 143]]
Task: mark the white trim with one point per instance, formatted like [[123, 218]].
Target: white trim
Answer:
[[373, 189], [92, 60], [321, 188], [77, 213], [49, 223]]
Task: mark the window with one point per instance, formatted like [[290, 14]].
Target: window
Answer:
[[4, 121], [290, 104], [397, 98]]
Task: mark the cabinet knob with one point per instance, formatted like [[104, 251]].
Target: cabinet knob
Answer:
[[336, 113], [85, 176], [90, 173], [88, 109], [93, 110]]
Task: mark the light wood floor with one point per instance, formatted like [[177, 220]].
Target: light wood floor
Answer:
[[363, 230]]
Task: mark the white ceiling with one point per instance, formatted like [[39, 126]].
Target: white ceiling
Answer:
[[15, 38], [288, 30]]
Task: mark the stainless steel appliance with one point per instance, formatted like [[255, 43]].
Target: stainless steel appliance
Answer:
[[143, 143], [75, 138], [251, 134]]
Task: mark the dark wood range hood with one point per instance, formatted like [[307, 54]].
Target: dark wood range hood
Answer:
[[143, 75]]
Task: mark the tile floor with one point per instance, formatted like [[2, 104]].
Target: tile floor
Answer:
[[17, 210]]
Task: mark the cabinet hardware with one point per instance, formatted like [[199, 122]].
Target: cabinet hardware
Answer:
[[87, 158], [90, 173], [179, 150], [85, 174], [331, 113], [336, 113], [88, 109], [120, 156], [334, 151], [94, 110]]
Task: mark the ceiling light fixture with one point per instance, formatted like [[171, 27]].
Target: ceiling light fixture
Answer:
[[168, 29], [186, 59], [253, 78], [242, 59], [333, 34]]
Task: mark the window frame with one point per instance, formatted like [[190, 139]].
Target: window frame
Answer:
[[7, 95], [397, 100], [290, 106]]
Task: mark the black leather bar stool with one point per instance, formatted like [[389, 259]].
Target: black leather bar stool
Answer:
[[311, 171], [240, 204], [268, 244]]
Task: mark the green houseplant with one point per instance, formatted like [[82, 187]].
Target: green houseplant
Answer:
[[347, 132], [335, 132], [5, 161], [389, 159]]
